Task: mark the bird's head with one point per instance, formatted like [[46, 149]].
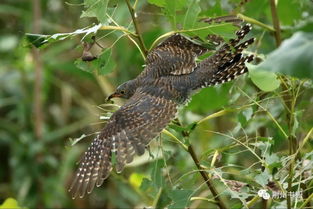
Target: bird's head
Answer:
[[125, 90]]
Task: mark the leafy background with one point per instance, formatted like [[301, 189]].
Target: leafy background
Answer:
[[253, 133]]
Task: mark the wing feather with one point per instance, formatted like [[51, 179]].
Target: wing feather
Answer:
[[174, 56], [127, 132]]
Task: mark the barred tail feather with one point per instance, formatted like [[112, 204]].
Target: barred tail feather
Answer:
[[228, 62], [231, 72]]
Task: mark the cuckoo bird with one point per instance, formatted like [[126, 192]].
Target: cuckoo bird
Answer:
[[170, 76]]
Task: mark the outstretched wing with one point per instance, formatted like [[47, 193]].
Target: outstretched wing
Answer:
[[174, 56], [127, 132]]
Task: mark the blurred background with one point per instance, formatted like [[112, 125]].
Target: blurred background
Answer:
[[46, 101]]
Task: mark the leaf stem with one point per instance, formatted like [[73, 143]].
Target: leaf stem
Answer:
[[255, 22], [119, 28], [166, 132], [275, 22], [141, 42]]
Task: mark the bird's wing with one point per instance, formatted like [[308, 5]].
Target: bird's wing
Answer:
[[174, 56], [127, 132]]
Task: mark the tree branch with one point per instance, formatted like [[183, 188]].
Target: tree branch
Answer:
[[141, 42], [38, 115], [275, 22], [206, 178]]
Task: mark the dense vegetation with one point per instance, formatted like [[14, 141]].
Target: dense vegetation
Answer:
[[249, 141]]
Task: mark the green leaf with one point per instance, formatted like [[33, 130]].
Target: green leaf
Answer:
[[262, 178], [245, 115], [145, 184], [170, 8], [191, 14], [205, 97], [159, 3], [104, 64], [202, 29], [288, 12], [294, 57], [266, 81], [136, 180], [156, 174], [10, 203], [96, 8], [36, 39], [39, 40], [180, 198]]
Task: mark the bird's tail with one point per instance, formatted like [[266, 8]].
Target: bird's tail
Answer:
[[228, 62]]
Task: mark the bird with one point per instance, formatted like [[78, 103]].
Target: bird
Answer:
[[171, 75]]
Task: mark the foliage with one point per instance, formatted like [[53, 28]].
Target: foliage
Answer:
[[249, 135]]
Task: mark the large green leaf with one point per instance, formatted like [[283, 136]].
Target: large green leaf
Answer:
[[266, 81], [202, 102], [180, 198], [294, 57], [10, 203], [288, 12], [191, 14], [170, 8], [96, 8]]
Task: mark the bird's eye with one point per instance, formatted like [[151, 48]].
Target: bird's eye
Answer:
[[122, 92]]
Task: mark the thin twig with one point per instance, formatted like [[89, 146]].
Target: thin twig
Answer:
[[141, 42], [206, 178], [268, 113], [275, 22], [203, 173]]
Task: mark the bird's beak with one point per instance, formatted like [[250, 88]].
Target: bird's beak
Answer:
[[113, 95]]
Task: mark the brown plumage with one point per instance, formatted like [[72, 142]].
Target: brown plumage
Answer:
[[169, 78]]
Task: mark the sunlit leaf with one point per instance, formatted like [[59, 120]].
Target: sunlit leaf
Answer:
[[135, 179], [10, 203]]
